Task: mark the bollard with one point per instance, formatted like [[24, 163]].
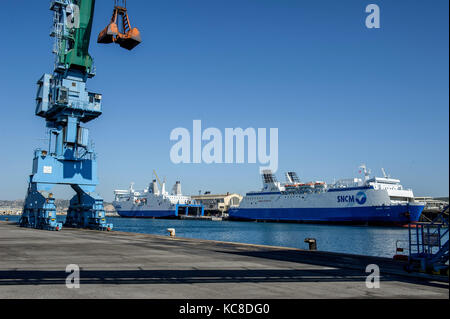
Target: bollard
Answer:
[[312, 243], [171, 232]]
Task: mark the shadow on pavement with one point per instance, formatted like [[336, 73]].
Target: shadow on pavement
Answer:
[[178, 276]]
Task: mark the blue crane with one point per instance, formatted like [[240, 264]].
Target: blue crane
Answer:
[[66, 105]]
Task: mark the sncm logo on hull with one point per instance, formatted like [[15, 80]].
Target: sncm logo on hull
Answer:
[[210, 146], [360, 198]]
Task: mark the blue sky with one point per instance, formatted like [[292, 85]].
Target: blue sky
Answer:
[[339, 93]]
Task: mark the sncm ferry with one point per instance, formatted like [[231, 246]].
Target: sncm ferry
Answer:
[[377, 200]]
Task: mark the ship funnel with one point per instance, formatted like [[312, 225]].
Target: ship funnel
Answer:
[[270, 182], [177, 188], [154, 188], [268, 177], [292, 178]]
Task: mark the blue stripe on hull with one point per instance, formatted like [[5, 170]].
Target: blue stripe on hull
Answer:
[[148, 214], [386, 215]]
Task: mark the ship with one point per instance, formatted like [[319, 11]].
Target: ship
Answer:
[[367, 201], [155, 203]]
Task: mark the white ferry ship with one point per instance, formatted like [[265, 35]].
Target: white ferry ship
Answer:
[[155, 203], [377, 200]]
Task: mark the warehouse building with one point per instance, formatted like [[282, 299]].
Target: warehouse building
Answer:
[[218, 205]]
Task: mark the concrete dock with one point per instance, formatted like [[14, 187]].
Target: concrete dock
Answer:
[[125, 265]]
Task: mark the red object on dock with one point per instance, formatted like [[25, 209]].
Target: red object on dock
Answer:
[[401, 257]]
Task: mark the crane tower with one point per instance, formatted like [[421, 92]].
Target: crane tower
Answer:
[[66, 105]]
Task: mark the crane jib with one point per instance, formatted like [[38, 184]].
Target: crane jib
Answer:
[[75, 53]]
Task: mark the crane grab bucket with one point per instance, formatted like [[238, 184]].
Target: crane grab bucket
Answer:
[[127, 37]]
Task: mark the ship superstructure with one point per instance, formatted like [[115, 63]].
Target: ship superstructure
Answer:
[[367, 200]]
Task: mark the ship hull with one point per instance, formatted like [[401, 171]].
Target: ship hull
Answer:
[[377, 215], [147, 214], [127, 210]]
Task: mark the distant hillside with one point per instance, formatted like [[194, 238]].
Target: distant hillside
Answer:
[[11, 203]]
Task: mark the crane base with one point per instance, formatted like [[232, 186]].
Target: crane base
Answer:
[[86, 211], [40, 212]]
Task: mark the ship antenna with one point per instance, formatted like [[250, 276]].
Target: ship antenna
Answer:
[[384, 173], [365, 171]]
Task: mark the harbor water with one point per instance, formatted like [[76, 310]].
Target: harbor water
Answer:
[[361, 240]]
